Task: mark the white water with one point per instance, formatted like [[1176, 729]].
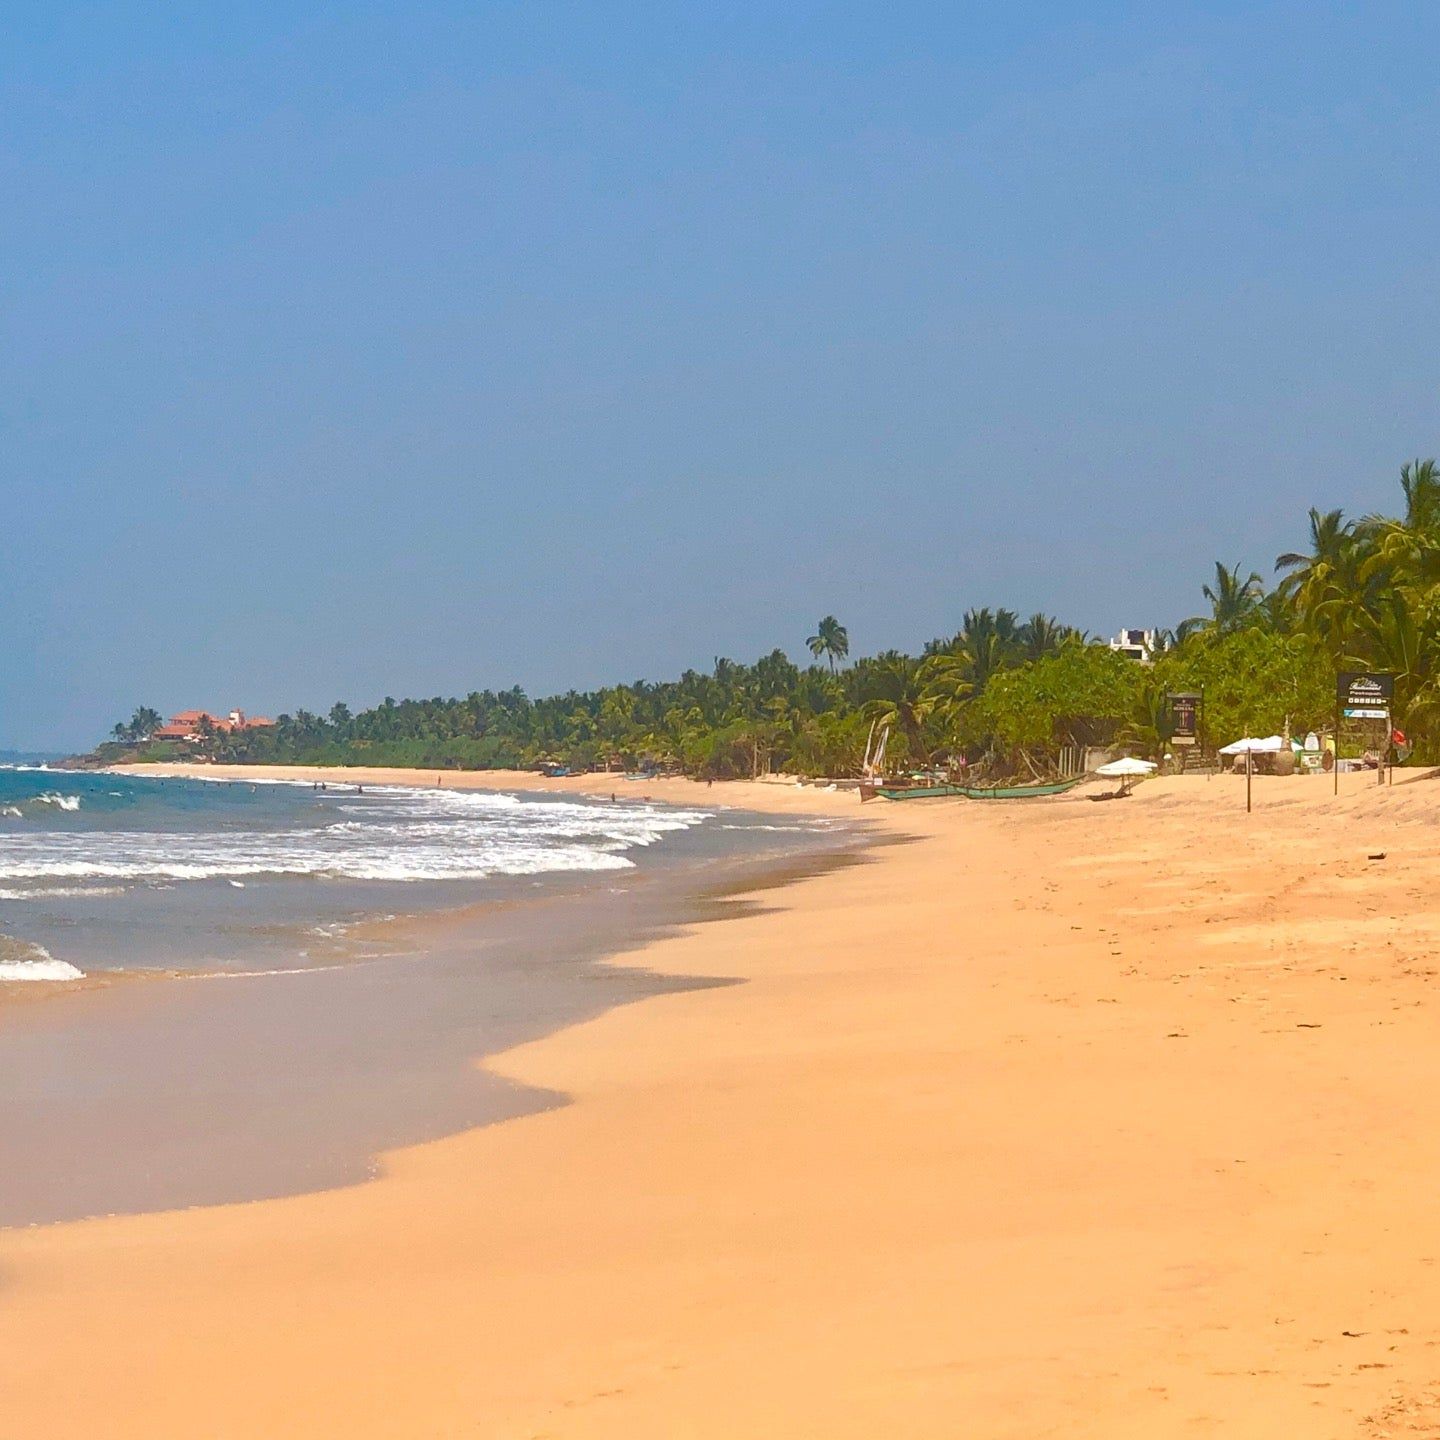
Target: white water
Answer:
[[391, 835], [36, 964], [66, 857]]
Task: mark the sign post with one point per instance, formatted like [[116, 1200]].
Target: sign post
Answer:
[[1185, 716], [1361, 695]]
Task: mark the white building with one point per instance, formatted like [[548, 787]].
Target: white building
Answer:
[[1137, 644]]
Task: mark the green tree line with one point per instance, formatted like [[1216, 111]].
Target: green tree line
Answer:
[[1007, 693]]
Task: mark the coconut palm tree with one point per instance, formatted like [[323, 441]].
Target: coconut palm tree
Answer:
[[1332, 541], [1233, 601], [1420, 482], [947, 681], [901, 699], [142, 725], [1043, 635], [1391, 637], [1407, 550], [988, 640], [830, 640]]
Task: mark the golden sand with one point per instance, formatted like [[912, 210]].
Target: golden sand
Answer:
[[1065, 1119]]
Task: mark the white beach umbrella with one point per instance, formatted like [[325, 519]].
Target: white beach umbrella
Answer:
[[1125, 769], [1268, 746]]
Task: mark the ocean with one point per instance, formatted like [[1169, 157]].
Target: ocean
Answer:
[[377, 945], [102, 872]]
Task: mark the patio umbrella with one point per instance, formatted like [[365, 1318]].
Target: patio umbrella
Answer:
[[1268, 746], [1126, 770]]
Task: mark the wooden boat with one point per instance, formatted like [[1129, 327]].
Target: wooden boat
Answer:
[[1022, 792], [972, 792]]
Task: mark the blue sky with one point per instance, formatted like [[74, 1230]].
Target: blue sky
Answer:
[[410, 349]]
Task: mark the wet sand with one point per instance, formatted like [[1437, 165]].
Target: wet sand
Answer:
[[1066, 1119], [218, 1087]]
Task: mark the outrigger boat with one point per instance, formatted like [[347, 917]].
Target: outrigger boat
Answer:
[[970, 792], [930, 789]]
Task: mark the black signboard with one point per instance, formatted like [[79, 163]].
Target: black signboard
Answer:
[[1185, 719], [1360, 695]]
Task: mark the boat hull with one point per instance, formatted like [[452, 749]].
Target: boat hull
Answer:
[[970, 792]]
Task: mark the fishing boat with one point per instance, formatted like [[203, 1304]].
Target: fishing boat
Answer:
[[970, 792], [1020, 792]]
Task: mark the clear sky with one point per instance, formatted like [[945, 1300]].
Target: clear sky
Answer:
[[412, 348]]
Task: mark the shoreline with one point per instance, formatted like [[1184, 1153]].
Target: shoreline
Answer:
[[166, 1096], [1109, 1121], [778, 794]]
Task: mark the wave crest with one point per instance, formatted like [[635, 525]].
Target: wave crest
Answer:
[[24, 962]]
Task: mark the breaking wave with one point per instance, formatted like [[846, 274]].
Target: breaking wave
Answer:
[[398, 835], [22, 961]]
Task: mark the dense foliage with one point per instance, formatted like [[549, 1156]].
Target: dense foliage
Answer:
[[1365, 594]]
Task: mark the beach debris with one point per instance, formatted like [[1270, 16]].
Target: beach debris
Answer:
[[1308, 1025], [1376, 855]]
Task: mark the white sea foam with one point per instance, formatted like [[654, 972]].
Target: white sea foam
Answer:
[[38, 964], [63, 802], [776, 829], [262, 974], [63, 892], [395, 834]]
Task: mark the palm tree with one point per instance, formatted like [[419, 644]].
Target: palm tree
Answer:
[[1408, 550], [1393, 638], [901, 699], [1043, 635], [342, 721], [142, 725], [1233, 601], [988, 640], [947, 677], [1322, 585], [1420, 482], [206, 735], [1331, 539], [831, 640]]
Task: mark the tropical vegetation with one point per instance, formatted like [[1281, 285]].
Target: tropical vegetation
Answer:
[[1005, 693]]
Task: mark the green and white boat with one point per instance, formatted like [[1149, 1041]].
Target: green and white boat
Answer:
[[970, 792]]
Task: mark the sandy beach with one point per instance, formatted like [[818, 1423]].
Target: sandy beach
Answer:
[[1061, 1119]]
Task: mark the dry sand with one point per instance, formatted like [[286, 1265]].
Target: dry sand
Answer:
[[1066, 1119]]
